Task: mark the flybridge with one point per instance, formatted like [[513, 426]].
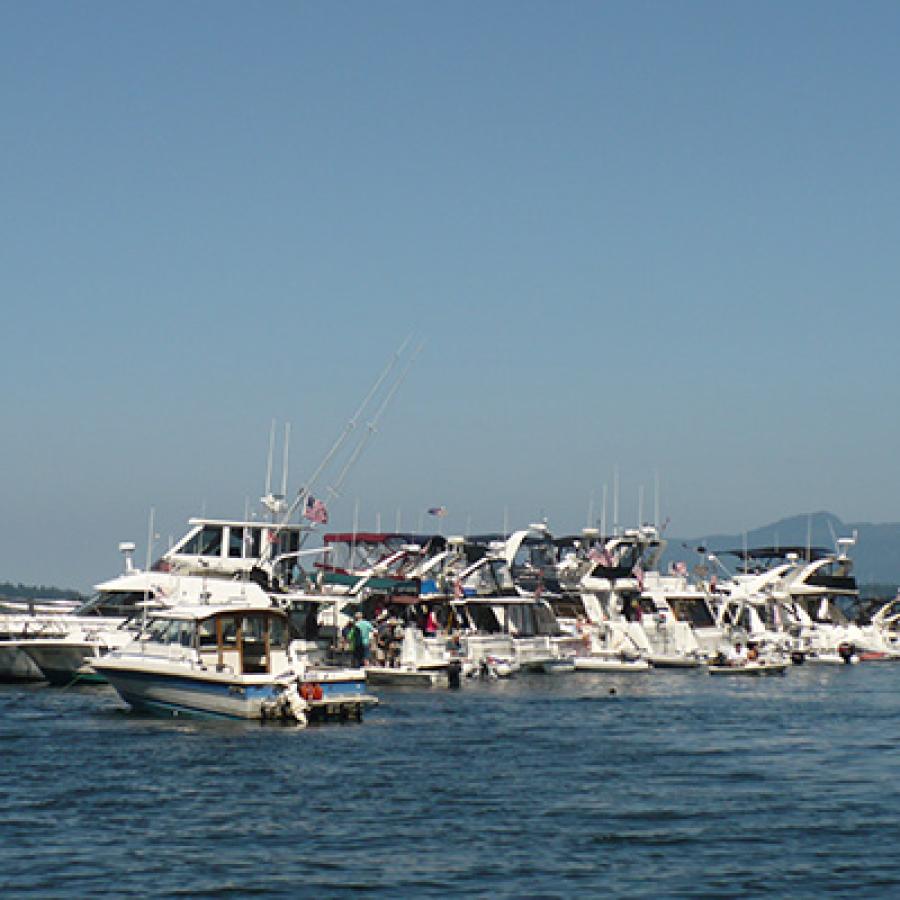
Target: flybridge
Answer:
[[230, 546]]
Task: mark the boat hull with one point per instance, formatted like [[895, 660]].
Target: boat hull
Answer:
[[676, 662], [600, 664], [386, 675], [61, 663], [749, 671], [239, 697], [18, 666]]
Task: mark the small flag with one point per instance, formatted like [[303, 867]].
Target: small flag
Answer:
[[315, 511], [439, 511], [638, 573], [458, 590], [602, 556]]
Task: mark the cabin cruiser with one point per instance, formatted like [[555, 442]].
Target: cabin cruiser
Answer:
[[65, 650], [202, 566], [496, 620], [633, 608], [113, 603], [231, 660], [799, 600]]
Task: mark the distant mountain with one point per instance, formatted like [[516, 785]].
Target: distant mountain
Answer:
[[876, 556]]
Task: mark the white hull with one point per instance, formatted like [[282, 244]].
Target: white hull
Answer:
[[158, 686], [17, 666], [174, 695], [676, 662], [559, 666], [609, 664], [827, 659], [62, 663]]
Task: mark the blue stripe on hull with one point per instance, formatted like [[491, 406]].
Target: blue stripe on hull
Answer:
[[142, 704]]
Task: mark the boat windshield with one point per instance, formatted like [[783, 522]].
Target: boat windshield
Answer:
[[115, 603]]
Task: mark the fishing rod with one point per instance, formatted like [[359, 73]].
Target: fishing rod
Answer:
[[304, 492], [371, 428]]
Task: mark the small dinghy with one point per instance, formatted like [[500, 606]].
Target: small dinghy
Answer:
[[559, 666], [749, 669], [601, 663]]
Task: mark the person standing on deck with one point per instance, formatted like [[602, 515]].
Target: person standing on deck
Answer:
[[362, 640]]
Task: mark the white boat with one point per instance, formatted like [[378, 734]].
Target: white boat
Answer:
[[662, 661], [232, 661], [202, 566], [600, 663], [18, 618], [560, 665], [624, 605], [749, 669]]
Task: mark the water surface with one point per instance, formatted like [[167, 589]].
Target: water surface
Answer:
[[678, 784]]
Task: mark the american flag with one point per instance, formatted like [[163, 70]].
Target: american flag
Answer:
[[315, 511], [601, 556], [437, 511], [638, 573]]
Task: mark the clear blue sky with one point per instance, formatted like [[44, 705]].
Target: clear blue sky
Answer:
[[652, 235]]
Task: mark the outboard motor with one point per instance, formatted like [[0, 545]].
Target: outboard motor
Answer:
[[846, 651], [798, 657]]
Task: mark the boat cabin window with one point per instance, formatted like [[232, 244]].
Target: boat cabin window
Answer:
[[171, 631], [252, 636], [501, 575], [544, 620], [288, 541], [483, 618], [206, 634], [235, 542], [569, 607], [229, 629], [206, 542], [823, 611], [692, 610], [631, 603], [518, 619]]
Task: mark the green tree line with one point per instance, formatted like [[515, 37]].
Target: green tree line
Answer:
[[36, 592]]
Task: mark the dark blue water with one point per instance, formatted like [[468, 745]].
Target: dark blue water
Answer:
[[545, 786]]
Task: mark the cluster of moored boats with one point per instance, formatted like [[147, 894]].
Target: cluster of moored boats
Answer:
[[238, 619]]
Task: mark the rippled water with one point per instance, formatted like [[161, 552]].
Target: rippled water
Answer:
[[543, 786]]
